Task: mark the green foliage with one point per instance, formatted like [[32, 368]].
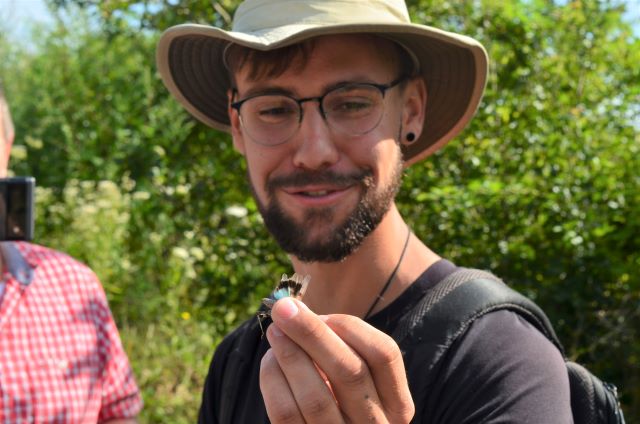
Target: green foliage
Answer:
[[542, 188]]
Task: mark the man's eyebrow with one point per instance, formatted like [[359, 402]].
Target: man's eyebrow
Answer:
[[262, 90], [341, 84], [276, 89]]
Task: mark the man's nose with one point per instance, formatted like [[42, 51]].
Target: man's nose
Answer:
[[314, 143]]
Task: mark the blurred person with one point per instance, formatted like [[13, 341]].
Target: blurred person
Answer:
[[329, 101], [61, 359]]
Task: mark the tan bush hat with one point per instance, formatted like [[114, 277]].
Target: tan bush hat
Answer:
[[190, 58]]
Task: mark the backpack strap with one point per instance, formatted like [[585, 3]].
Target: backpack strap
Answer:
[[445, 313], [447, 310]]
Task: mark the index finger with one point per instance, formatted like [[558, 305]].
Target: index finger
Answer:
[[349, 375], [384, 358], [325, 338]]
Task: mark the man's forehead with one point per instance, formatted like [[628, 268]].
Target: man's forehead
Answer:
[[357, 56]]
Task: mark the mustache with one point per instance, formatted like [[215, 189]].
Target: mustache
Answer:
[[303, 178]]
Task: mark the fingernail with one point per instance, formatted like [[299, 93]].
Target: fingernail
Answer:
[[324, 318], [303, 306], [267, 355], [287, 308], [275, 330]]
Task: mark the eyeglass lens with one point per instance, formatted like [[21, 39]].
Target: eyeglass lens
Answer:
[[353, 109]]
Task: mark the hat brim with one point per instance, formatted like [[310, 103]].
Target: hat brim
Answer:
[[190, 61]]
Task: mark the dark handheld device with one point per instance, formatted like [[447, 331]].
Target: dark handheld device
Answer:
[[16, 208]]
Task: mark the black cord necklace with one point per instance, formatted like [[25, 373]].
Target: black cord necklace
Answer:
[[393, 274]]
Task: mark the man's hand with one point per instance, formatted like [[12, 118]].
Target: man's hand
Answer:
[[331, 369]]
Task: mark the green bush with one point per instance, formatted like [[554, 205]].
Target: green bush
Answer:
[[174, 295]]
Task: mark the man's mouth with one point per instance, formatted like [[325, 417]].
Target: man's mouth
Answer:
[[316, 183], [322, 193], [315, 193]]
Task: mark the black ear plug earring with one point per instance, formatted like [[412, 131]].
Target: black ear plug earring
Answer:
[[410, 137]]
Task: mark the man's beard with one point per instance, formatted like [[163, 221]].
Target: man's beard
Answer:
[[341, 239]]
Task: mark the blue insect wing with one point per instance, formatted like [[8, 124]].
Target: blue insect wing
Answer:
[[280, 293], [294, 286]]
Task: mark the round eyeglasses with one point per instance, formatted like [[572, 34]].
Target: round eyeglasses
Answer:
[[352, 109]]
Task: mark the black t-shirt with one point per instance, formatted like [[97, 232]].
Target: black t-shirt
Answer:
[[502, 370]]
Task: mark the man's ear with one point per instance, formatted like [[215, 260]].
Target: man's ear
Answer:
[[236, 128], [415, 107]]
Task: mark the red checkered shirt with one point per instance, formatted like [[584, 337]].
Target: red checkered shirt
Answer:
[[61, 359]]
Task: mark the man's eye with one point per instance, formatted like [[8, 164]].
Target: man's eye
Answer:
[[351, 106], [275, 111]]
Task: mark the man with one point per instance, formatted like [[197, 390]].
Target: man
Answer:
[[328, 101], [61, 359]]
